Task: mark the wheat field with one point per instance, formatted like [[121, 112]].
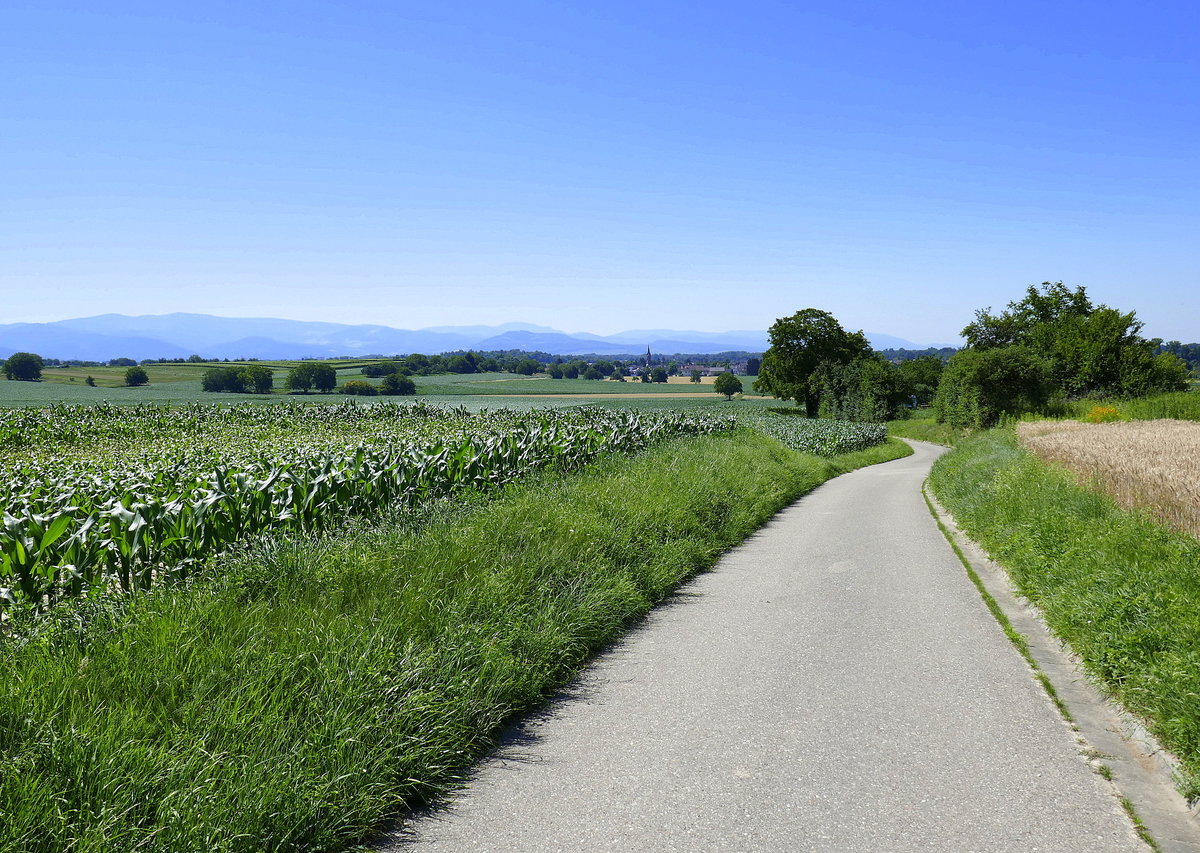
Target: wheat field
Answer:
[[1152, 465]]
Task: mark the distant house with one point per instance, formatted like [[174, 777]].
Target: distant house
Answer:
[[705, 370]]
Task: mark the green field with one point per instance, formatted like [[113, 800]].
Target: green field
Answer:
[[304, 690], [179, 383], [483, 384], [100, 498]]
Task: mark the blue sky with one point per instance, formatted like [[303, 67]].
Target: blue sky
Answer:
[[599, 166]]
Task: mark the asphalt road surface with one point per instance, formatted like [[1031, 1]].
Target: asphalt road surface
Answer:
[[834, 684]]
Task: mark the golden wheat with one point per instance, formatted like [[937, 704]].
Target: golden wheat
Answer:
[[1153, 465]]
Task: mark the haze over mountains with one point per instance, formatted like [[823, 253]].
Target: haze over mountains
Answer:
[[110, 336]]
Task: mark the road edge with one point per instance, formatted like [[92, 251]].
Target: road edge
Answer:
[[1116, 743]]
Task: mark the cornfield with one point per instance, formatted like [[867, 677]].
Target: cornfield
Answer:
[[821, 437], [1152, 465], [97, 498]]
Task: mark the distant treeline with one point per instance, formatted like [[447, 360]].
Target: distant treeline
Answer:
[[527, 363], [483, 360], [1188, 352], [909, 354]]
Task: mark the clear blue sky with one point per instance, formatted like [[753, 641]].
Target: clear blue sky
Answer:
[[599, 166]]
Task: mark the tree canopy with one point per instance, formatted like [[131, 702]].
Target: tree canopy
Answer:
[[136, 376], [310, 375], [25, 366], [1090, 350], [799, 345], [397, 384], [727, 384]]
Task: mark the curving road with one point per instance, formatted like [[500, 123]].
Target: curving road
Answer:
[[834, 684]]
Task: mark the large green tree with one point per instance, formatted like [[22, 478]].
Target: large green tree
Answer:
[[919, 377], [1090, 350], [397, 384], [866, 389], [26, 366], [799, 344], [223, 379]]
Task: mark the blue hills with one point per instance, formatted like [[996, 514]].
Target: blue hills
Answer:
[[179, 335]]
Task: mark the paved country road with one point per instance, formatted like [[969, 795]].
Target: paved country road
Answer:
[[834, 684]]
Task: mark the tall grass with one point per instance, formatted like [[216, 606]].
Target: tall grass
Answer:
[[922, 426], [1121, 589], [1179, 405], [303, 694]]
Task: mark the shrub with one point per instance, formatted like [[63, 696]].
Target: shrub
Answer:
[[136, 376], [358, 388], [866, 390], [979, 386], [397, 384]]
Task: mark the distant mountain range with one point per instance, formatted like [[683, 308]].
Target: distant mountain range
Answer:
[[179, 335]]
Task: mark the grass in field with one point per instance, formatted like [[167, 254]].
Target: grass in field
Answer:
[[178, 383], [922, 426], [541, 384], [316, 685], [1151, 465], [1121, 589], [114, 377], [1180, 405]]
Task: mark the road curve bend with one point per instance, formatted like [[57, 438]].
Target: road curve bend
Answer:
[[834, 684]]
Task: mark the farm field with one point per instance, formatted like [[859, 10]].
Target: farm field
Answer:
[[387, 608], [101, 497], [1150, 465], [113, 377], [179, 383], [542, 384]]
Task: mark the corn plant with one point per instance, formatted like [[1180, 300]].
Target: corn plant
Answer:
[[124, 499]]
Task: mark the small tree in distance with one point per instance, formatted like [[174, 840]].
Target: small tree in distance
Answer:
[[135, 376], [727, 384], [258, 378], [324, 378], [398, 385]]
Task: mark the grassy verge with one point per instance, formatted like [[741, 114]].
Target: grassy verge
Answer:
[[313, 687], [1181, 405], [1122, 590], [923, 427]]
